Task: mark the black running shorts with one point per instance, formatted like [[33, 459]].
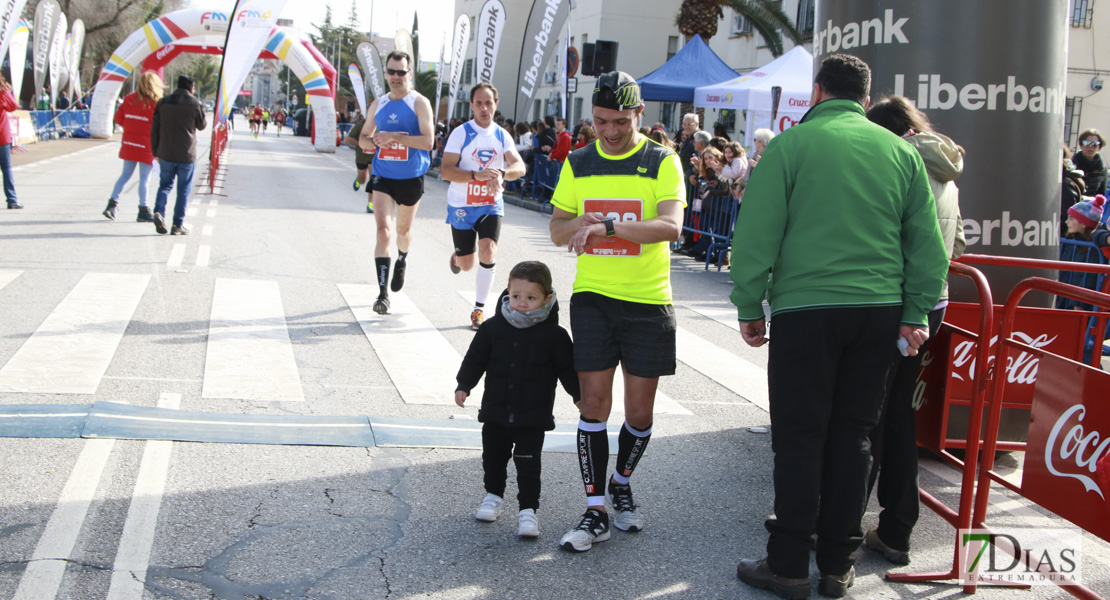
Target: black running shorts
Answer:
[[406, 192], [487, 227], [608, 331]]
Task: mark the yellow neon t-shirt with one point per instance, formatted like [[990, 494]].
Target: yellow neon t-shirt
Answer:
[[628, 187]]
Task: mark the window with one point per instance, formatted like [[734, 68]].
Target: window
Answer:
[[666, 115], [1081, 13], [672, 46], [577, 110], [1072, 110], [727, 118], [473, 27], [462, 109], [468, 71], [536, 110], [804, 22], [740, 26]]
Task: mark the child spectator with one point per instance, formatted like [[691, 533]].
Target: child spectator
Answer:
[[523, 352], [1084, 217]]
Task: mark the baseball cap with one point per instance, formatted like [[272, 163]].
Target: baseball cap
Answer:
[[617, 90]]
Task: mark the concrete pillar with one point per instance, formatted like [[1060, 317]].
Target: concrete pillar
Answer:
[[992, 77]]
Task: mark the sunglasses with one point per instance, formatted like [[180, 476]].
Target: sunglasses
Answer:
[[1095, 143], [396, 72]]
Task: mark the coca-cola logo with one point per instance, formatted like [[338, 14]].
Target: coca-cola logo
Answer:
[[1020, 369], [1078, 447]]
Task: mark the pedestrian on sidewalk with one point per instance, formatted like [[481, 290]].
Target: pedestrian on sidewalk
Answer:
[[618, 204], [135, 115], [7, 104], [858, 262], [173, 137], [524, 354], [478, 159]]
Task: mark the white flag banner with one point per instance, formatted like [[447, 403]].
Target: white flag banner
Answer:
[[9, 22], [75, 56], [46, 19], [359, 85], [402, 41], [458, 53], [251, 24], [540, 34], [372, 64], [439, 77], [63, 73], [57, 47], [490, 26], [563, 72], [17, 56]]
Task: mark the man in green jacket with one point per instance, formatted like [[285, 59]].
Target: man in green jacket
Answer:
[[840, 210]]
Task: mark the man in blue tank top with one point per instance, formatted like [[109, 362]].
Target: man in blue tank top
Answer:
[[399, 125]]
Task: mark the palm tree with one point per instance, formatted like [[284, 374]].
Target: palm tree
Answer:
[[766, 16]]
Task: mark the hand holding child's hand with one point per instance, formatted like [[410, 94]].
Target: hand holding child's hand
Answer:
[[460, 398]]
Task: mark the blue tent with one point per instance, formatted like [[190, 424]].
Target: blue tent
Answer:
[[694, 65]]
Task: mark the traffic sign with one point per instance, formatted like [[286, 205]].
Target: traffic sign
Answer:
[[572, 85]]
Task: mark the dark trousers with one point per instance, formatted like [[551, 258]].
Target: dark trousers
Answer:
[[894, 446], [827, 375], [524, 446]]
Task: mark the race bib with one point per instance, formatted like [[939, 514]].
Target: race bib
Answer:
[[618, 209], [394, 151], [479, 194]]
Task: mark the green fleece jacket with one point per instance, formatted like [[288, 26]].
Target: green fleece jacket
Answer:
[[841, 209]]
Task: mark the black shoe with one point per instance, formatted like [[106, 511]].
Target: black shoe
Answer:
[[871, 540], [381, 305], [160, 224], [110, 212], [455, 268], [179, 230], [757, 574], [836, 586], [145, 216], [14, 205], [398, 281]]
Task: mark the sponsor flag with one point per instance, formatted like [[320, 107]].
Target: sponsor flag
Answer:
[[371, 61], [251, 24], [57, 49], [357, 83], [17, 56], [9, 23], [75, 56], [403, 42], [46, 18], [490, 26], [564, 63], [545, 21], [415, 41], [458, 53], [439, 75], [63, 70]]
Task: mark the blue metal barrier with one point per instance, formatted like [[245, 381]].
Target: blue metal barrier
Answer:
[[546, 174], [54, 124], [713, 216]]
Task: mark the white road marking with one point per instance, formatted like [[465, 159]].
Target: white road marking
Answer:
[[191, 211], [177, 254], [44, 572], [206, 230], [7, 276], [133, 556], [210, 212], [406, 343], [71, 350], [735, 373], [203, 254], [725, 315], [214, 202], [250, 356]]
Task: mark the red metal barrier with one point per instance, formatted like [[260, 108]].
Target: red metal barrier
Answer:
[[216, 154], [1065, 474]]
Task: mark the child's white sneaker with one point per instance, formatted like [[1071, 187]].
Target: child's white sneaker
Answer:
[[529, 526], [490, 508]]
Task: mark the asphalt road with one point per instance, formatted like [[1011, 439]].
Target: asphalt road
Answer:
[[101, 517]]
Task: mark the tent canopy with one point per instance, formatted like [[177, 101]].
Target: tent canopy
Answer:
[[694, 65], [793, 72]]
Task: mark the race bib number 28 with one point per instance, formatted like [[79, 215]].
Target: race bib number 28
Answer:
[[394, 151], [618, 209]]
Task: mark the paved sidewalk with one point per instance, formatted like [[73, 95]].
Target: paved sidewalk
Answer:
[[51, 148]]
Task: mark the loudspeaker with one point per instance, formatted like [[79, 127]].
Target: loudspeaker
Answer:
[[587, 66], [605, 57]]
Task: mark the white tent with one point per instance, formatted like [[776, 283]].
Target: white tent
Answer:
[[793, 72]]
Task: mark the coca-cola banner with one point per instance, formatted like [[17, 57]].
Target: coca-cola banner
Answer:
[[1068, 437], [992, 77]]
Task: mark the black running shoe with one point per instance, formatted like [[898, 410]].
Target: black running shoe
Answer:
[[398, 281], [455, 268], [381, 305], [160, 223], [593, 528], [110, 212]]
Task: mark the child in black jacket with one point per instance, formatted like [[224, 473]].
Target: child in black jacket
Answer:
[[524, 353]]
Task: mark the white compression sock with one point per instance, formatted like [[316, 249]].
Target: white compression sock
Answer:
[[484, 283]]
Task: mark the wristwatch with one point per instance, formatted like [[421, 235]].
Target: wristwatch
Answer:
[[610, 231]]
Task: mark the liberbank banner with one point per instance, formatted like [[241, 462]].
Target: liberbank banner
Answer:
[[992, 77], [545, 21]]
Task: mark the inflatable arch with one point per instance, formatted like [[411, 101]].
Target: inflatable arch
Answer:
[[197, 28]]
